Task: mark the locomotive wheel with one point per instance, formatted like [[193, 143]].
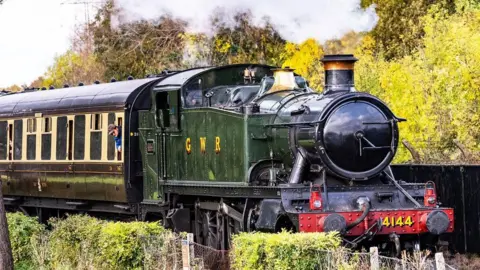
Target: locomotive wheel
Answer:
[[262, 178], [261, 174], [209, 229]]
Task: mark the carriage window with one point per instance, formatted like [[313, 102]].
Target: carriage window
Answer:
[[79, 138], [46, 146], [111, 140], [31, 146], [96, 122], [18, 139], [46, 138], [47, 124], [31, 125], [96, 137], [3, 140], [61, 138]]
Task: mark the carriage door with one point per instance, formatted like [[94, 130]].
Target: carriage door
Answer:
[[167, 121]]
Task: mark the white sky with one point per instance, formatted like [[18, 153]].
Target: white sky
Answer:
[[32, 33]]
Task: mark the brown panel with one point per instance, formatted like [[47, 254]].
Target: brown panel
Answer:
[[85, 181]]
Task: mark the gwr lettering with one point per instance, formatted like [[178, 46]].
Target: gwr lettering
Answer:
[[188, 146], [203, 143], [217, 144]]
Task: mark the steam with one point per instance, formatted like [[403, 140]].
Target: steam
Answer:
[[296, 21]]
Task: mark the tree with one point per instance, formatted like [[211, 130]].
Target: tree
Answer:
[[305, 59], [244, 42], [345, 45], [37, 83], [72, 68], [435, 88], [14, 88], [137, 48], [400, 27]]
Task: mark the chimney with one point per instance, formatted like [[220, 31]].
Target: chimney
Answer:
[[339, 72], [284, 80]]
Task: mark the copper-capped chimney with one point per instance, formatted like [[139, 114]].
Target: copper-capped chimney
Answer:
[[339, 72]]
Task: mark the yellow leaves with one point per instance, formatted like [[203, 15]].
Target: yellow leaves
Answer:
[[437, 88], [222, 46], [72, 68], [305, 59]]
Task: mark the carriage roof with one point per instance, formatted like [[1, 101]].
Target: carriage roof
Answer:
[[96, 96]]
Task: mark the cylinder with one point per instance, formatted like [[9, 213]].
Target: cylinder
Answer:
[[339, 72]]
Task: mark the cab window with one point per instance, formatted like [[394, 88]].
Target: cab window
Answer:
[[193, 95]]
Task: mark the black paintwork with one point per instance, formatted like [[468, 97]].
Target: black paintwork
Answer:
[[74, 99], [353, 134], [458, 187]]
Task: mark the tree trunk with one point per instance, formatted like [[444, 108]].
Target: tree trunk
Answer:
[[415, 154], [6, 259]]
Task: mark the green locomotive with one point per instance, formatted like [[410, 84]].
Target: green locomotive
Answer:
[[218, 150]]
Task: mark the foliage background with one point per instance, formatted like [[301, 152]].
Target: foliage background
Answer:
[[422, 58]]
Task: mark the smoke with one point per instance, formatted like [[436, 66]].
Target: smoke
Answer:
[[296, 21]]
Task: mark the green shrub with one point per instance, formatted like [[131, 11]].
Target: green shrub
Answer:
[[73, 240], [122, 244], [23, 231], [283, 250]]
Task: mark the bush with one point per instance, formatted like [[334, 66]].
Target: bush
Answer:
[[24, 232], [83, 242], [283, 250], [121, 244], [72, 240]]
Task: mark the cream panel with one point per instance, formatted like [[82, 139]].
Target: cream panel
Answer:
[[104, 136], [54, 139], [88, 119], [38, 148], [24, 138]]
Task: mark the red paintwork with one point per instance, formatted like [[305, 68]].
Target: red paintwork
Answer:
[[316, 195], [313, 222], [430, 193]]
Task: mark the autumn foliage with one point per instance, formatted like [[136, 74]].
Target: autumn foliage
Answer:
[[422, 58]]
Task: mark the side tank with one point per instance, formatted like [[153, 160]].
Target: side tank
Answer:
[[353, 135]]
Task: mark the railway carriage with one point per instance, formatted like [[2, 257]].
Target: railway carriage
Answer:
[[218, 150]]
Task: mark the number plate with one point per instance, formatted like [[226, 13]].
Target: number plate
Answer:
[[150, 147], [401, 221]]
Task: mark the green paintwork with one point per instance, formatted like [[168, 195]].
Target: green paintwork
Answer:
[[147, 131], [244, 140]]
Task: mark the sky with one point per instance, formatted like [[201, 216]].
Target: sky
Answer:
[[32, 33]]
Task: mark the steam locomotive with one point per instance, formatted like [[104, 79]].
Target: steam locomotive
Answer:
[[219, 150]]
